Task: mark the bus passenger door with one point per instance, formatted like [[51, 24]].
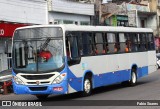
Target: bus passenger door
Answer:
[[74, 68], [72, 50]]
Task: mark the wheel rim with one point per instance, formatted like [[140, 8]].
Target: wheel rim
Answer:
[[87, 86], [134, 77]]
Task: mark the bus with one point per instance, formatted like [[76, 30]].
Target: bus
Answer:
[[62, 59]]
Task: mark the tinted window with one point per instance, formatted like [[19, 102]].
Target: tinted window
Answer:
[[150, 41], [135, 44], [143, 42], [112, 43], [99, 44], [122, 40], [86, 44]]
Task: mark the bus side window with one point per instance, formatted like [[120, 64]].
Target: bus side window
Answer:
[[127, 42], [139, 43], [150, 41], [112, 42], [122, 42], [134, 46], [67, 48], [143, 42], [72, 49], [87, 44], [80, 44], [105, 38], [99, 48]]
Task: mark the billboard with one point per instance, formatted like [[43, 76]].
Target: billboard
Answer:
[[132, 18], [7, 29]]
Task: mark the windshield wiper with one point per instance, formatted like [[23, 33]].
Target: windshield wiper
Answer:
[[45, 44]]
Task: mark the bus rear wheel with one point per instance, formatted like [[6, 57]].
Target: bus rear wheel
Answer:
[[87, 86], [133, 79], [42, 97]]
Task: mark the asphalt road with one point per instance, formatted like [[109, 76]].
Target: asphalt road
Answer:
[[147, 88]]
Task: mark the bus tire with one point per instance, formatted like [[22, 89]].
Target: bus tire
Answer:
[[87, 86], [133, 79], [42, 97]]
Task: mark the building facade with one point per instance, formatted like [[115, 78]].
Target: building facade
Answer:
[[14, 14], [18, 13], [156, 7], [70, 12], [125, 13]]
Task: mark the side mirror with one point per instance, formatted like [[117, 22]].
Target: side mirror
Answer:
[[73, 61]]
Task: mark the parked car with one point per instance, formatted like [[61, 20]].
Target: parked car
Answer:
[[158, 60], [6, 76]]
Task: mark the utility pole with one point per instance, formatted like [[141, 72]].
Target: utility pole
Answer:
[[100, 11]]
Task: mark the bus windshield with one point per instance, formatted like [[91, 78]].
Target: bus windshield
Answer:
[[38, 50]]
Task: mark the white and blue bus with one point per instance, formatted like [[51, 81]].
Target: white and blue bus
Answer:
[[62, 59]]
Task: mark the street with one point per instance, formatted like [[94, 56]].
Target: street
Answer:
[[147, 88]]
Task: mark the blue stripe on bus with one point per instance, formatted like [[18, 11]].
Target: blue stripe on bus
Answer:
[[142, 71], [106, 78], [77, 82], [74, 82]]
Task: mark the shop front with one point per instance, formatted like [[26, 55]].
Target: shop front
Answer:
[[6, 33]]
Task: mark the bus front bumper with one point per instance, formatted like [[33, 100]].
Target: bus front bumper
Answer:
[[41, 89]]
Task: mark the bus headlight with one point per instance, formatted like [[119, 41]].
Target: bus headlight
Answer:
[[59, 78], [17, 80]]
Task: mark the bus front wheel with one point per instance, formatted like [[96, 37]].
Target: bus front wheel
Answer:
[[87, 86]]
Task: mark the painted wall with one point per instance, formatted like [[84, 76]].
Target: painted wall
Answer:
[[67, 6], [152, 23], [24, 11], [54, 16], [153, 5]]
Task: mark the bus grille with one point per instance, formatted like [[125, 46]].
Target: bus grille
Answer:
[[40, 82], [37, 77], [38, 88]]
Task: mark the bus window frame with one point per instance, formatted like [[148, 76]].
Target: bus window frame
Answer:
[[153, 39], [104, 36], [99, 43], [70, 60]]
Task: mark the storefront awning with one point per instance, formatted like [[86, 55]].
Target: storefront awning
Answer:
[[7, 29]]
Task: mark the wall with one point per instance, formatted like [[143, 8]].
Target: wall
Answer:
[[53, 16], [153, 5], [24, 11], [66, 6], [152, 23], [137, 7]]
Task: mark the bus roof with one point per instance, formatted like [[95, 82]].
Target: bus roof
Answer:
[[72, 27]]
